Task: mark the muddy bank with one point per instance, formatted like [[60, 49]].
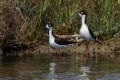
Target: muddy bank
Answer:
[[108, 47]]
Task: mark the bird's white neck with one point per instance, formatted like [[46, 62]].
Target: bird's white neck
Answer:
[[83, 19], [50, 34]]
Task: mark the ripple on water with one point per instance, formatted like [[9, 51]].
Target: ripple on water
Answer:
[[112, 76], [11, 78], [29, 72]]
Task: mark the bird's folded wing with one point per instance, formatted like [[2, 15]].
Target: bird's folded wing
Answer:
[[62, 41]]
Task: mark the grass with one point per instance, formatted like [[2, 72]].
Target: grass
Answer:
[[107, 17], [27, 18]]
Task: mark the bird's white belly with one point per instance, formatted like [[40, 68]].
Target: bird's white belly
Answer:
[[84, 33]]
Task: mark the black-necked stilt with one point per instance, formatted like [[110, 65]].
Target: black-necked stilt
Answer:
[[57, 43], [85, 31]]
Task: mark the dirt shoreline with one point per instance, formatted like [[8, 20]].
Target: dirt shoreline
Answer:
[[108, 47]]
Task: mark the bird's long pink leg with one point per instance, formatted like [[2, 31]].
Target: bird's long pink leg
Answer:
[[87, 53], [59, 54], [87, 50]]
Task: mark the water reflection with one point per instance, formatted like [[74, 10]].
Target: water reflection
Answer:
[[52, 75], [10, 59], [84, 70], [68, 68], [114, 76]]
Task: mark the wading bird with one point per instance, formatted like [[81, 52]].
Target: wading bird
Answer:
[[85, 32], [57, 43]]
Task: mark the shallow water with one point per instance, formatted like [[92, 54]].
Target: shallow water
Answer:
[[75, 67]]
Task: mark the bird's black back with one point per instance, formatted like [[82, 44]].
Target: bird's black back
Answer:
[[63, 41]]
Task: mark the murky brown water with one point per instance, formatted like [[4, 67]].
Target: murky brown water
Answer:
[[66, 68]]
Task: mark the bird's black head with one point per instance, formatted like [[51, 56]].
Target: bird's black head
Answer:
[[81, 13], [49, 24]]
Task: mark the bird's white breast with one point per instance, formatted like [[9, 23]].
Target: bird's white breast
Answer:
[[84, 33]]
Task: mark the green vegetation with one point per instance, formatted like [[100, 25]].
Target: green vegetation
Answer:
[[27, 18]]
